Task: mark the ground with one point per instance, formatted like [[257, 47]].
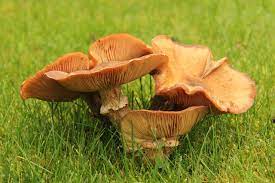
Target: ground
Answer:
[[59, 142]]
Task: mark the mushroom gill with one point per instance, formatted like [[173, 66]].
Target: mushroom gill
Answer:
[[108, 75], [151, 130], [41, 87], [191, 78]]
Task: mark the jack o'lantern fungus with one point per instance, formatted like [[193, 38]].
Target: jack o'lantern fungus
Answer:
[[192, 78], [41, 87]]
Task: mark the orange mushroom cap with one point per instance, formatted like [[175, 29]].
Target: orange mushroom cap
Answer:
[[144, 128], [118, 47], [41, 87], [108, 75], [191, 77]]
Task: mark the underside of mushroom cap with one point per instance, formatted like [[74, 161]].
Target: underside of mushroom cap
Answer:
[[109, 74], [145, 128], [118, 47], [41, 87], [191, 77]]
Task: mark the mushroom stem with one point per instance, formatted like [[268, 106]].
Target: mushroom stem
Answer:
[[112, 100], [109, 103], [93, 101], [114, 104], [115, 114]]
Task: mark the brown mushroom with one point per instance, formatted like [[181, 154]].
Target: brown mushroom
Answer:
[[107, 77], [120, 58], [158, 130], [41, 87], [191, 77]]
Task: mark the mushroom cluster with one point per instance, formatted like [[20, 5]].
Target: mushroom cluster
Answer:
[[188, 84]]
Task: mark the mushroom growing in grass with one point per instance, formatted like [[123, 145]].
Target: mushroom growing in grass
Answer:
[[116, 65], [120, 58], [157, 132], [146, 129], [185, 76], [192, 78]]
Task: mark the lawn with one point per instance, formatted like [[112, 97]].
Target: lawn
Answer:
[[59, 142]]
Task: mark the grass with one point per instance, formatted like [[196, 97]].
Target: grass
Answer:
[[59, 142]]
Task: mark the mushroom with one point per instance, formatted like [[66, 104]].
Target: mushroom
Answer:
[[192, 78], [41, 87], [107, 77], [187, 82], [157, 132], [120, 58]]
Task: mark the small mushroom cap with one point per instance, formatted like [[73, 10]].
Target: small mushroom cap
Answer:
[[41, 87], [118, 47], [109, 74], [191, 77], [144, 126]]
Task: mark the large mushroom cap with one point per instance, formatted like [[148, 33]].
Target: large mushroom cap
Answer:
[[191, 77], [117, 47], [145, 127], [108, 75], [41, 87]]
